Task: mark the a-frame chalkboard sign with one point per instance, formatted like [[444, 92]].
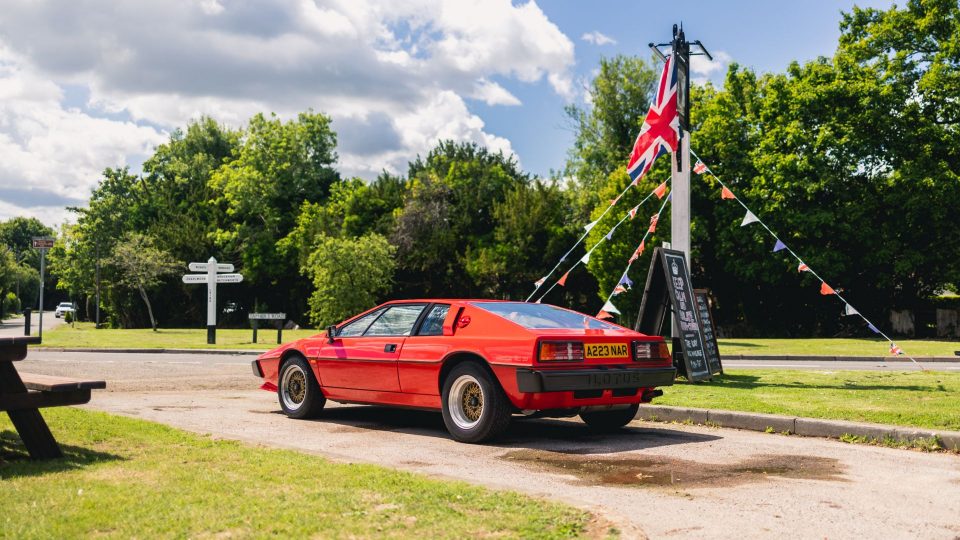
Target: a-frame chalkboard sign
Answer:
[[668, 284]]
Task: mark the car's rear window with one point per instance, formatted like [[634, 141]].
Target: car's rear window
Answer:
[[541, 316]]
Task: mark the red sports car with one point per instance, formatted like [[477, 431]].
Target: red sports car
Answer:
[[478, 361]]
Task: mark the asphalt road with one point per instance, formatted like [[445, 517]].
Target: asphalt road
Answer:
[[654, 480], [14, 327]]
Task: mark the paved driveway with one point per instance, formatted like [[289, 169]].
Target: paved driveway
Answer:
[[652, 479]]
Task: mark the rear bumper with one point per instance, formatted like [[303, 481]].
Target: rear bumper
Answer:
[[534, 381]]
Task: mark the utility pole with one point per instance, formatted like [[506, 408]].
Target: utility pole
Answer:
[[97, 323], [43, 244], [680, 176]]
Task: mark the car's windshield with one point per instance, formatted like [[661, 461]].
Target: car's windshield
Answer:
[[539, 316], [66, 304]]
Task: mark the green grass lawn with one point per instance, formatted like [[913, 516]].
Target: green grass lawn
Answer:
[[84, 335], [125, 478], [836, 347], [920, 399]]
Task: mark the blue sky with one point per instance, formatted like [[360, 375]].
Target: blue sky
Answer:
[[92, 84]]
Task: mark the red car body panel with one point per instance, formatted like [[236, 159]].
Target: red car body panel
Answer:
[[364, 370]]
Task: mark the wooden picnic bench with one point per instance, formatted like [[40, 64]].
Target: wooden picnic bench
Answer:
[[22, 395]]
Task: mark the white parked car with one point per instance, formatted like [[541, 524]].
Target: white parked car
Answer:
[[62, 308]]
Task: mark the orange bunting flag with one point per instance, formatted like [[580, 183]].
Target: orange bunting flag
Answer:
[[619, 289], [894, 349], [633, 211], [803, 268], [826, 289], [563, 280], [636, 254], [616, 200], [540, 281], [726, 193], [653, 223], [604, 315], [661, 190]]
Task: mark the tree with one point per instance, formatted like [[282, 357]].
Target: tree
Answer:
[[349, 274], [141, 266]]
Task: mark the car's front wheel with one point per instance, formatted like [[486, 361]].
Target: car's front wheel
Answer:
[[298, 391], [475, 408], [610, 420]]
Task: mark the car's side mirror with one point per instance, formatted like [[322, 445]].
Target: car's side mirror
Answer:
[[331, 333]]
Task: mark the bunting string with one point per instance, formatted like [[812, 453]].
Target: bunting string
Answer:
[[609, 309], [659, 191], [825, 289]]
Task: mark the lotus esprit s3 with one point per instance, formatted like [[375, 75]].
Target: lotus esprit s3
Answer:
[[478, 361]]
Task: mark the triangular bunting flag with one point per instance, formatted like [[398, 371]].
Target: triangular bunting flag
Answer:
[[591, 225], [586, 258], [749, 218], [850, 310], [873, 328], [661, 190], [826, 289], [700, 167], [894, 349], [540, 281], [563, 280], [803, 268], [653, 223], [619, 289], [604, 315], [633, 211], [616, 200], [778, 246], [609, 235], [625, 280], [726, 193], [636, 254], [610, 308]]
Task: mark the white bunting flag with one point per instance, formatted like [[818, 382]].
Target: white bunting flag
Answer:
[[850, 310], [540, 281], [586, 258], [591, 225], [749, 218], [610, 308]]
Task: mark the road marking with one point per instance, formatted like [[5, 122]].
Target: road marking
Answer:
[[731, 364]]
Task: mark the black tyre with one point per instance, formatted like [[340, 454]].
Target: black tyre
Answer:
[[298, 391], [610, 420], [475, 409]]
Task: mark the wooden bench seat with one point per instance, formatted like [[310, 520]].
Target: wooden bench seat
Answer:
[[49, 383]]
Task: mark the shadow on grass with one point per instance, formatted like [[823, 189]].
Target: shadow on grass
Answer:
[[748, 382], [741, 344], [15, 462], [564, 436]]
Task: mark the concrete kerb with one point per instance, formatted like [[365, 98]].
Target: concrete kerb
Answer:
[[154, 351], [809, 427]]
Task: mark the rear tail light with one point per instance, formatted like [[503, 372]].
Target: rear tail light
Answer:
[[561, 351], [650, 350]]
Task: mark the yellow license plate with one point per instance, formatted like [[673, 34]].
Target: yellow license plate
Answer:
[[607, 350]]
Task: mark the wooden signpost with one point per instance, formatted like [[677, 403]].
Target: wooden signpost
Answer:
[[211, 277], [255, 319], [668, 285]]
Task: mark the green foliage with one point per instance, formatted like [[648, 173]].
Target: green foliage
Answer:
[[11, 304], [349, 275], [142, 266]]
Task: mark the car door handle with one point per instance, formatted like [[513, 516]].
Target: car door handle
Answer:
[[390, 347]]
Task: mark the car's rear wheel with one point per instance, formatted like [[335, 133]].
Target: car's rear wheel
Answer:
[[298, 391], [475, 408], [610, 420]]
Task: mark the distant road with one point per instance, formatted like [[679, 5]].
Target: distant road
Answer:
[[14, 327]]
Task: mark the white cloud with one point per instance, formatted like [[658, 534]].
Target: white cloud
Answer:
[[393, 75], [597, 38], [703, 69]]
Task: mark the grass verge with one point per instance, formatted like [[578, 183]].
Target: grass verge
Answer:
[[84, 335], [836, 347], [134, 479], [919, 399]]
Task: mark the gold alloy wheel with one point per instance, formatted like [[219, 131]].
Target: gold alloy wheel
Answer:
[[465, 402], [472, 402], [293, 387]]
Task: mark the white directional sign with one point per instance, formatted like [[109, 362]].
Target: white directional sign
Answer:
[[202, 267], [211, 278]]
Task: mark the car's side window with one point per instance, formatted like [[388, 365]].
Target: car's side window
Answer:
[[433, 322], [397, 321], [359, 326]]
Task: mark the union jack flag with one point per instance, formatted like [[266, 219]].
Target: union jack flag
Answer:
[[660, 131], [894, 349], [700, 167]]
